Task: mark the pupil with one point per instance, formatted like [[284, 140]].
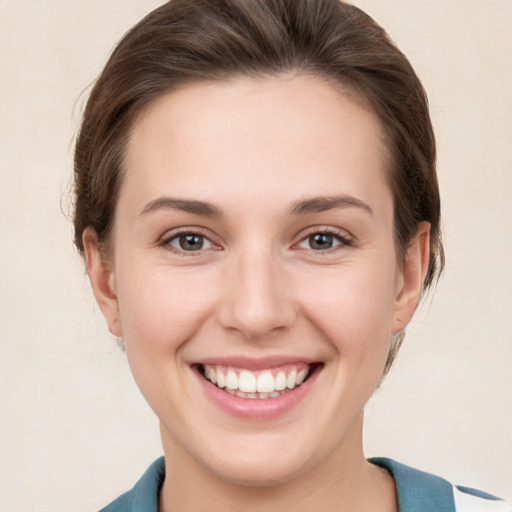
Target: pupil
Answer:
[[191, 242], [321, 241]]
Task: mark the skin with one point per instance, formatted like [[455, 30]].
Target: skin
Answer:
[[259, 287]]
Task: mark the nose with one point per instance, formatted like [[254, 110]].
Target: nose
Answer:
[[257, 299]]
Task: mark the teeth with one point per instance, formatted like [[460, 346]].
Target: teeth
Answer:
[[259, 385], [247, 382], [231, 380], [221, 380], [301, 376], [280, 382], [265, 383], [291, 380], [211, 375]]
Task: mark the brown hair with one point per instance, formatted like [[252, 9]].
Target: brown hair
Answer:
[[186, 41]]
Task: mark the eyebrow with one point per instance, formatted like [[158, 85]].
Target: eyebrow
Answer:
[[185, 205], [323, 203], [303, 207]]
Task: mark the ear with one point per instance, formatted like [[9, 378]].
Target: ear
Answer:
[[411, 277], [101, 275]]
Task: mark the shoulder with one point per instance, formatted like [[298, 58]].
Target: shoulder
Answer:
[[419, 491], [143, 497]]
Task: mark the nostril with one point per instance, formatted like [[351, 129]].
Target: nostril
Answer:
[[256, 320]]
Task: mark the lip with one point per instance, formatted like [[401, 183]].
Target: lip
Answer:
[[264, 363], [256, 409]]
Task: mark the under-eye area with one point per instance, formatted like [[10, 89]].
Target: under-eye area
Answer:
[[260, 384]]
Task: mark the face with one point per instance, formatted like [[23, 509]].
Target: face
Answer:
[[255, 275]]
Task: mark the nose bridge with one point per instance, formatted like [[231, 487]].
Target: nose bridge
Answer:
[[257, 299]]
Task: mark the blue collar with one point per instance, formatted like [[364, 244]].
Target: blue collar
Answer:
[[144, 495], [417, 491], [147, 489]]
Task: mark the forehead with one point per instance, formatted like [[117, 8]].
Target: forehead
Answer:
[[283, 135]]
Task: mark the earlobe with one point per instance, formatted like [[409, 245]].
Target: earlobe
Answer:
[[412, 277], [101, 275]]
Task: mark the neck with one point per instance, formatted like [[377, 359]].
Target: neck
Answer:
[[342, 482]]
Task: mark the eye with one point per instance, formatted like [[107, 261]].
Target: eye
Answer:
[[323, 241], [189, 242]]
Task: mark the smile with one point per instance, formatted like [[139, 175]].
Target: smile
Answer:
[[261, 384]]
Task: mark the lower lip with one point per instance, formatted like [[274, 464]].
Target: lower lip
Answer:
[[261, 409]]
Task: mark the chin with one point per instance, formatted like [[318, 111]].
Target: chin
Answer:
[[260, 461], [261, 471]]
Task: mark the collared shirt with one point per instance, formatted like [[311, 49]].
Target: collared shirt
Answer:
[[417, 491]]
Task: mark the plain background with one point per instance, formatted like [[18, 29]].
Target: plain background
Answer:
[[74, 430]]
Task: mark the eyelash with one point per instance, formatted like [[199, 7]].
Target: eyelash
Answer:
[[342, 239], [167, 242]]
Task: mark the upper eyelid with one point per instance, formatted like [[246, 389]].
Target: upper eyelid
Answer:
[[192, 230], [344, 237], [328, 230], [171, 234], [165, 240]]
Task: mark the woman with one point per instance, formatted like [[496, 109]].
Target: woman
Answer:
[[257, 204]]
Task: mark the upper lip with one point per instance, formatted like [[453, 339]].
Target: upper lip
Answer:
[[249, 363]]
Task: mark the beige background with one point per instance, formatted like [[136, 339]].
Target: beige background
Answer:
[[74, 430]]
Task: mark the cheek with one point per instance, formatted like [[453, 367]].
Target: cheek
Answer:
[[161, 309], [353, 307]]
